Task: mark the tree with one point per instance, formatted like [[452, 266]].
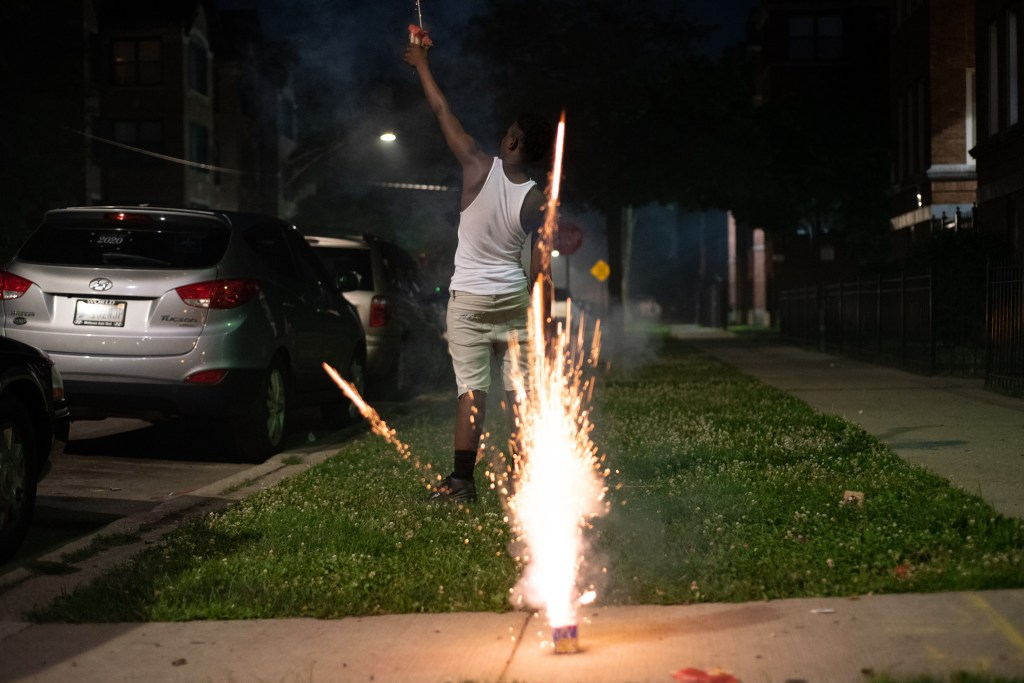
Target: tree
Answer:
[[817, 160], [43, 116], [639, 103]]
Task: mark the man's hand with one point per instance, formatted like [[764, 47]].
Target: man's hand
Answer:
[[415, 55]]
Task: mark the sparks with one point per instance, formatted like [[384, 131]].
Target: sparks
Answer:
[[547, 232], [559, 486], [379, 426]]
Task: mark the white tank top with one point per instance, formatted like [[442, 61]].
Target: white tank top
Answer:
[[488, 259]]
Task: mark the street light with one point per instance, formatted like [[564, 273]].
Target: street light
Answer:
[[388, 137]]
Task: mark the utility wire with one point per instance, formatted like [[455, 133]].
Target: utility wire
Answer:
[[164, 157]]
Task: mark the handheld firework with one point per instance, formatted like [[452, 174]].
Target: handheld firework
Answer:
[[417, 34]]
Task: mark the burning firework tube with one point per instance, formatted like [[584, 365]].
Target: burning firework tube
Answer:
[[566, 639]]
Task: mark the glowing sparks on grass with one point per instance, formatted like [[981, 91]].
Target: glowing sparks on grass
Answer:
[[559, 485], [377, 423]]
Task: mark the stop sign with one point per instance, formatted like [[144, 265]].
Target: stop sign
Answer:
[[568, 238]]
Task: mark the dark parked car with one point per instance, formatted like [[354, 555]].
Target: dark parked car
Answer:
[[33, 426], [403, 318], [206, 315]]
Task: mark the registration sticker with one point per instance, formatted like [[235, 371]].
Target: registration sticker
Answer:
[[100, 312]]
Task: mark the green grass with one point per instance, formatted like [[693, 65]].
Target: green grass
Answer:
[[724, 489]]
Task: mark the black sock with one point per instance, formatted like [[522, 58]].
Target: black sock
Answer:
[[464, 462]]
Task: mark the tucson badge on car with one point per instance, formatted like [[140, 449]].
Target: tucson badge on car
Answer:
[[204, 315]]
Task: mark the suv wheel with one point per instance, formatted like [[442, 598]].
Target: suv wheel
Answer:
[[260, 434], [17, 475]]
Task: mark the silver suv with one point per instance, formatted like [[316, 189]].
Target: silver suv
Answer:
[[402, 317], [209, 315]]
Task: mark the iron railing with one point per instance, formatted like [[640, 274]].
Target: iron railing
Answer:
[[1004, 327], [918, 322]]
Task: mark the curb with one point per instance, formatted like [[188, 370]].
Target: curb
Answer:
[[24, 589]]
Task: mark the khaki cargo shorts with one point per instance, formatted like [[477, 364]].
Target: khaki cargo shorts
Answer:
[[480, 328]]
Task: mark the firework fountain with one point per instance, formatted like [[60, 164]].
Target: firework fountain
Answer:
[[559, 485]]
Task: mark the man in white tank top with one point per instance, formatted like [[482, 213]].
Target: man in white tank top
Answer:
[[489, 292]]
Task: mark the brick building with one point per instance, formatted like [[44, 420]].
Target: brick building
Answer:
[[167, 102], [1000, 147], [932, 89]]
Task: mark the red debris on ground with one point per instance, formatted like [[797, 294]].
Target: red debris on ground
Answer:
[[700, 676]]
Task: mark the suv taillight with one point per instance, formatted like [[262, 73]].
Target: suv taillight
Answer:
[[219, 293], [380, 311], [13, 286], [206, 377]]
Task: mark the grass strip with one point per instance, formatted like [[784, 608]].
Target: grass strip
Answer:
[[725, 489]]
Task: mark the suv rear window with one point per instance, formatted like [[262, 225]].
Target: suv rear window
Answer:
[[142, 240], [340, 261]]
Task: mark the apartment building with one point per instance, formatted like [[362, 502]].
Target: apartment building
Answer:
[[164, 102], [999, 152]]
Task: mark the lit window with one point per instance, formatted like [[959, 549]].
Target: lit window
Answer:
[[136, 62]]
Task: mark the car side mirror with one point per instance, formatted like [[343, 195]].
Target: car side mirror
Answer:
[[348, 281]]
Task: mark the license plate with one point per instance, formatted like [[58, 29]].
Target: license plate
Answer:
[[100, 312]]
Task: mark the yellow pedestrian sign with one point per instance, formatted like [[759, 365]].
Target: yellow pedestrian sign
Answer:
[[601, 270]]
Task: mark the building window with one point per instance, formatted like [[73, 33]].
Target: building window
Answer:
[[136, 62], [801, 38], [830, 37], [971, 124], [1012, 103], [923, 136], [146, 136], [902, 135], [993, 79], [198, 68], [198, 144], [286, 118], [815, 38]]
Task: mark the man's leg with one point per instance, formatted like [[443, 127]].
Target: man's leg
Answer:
[[470, 354], [460, 485], [469, 423]]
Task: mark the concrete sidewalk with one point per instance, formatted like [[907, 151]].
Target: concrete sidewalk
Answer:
[[784, 641], [951, 426]]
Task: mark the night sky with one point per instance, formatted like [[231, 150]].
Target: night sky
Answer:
[[355, 35]]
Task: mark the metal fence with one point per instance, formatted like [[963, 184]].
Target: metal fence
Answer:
[[1004, 326], [923, 323]]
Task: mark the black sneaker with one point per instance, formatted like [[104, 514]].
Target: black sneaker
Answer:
[[453, 490]]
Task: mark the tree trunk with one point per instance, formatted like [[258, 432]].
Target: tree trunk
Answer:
[[613, 221]]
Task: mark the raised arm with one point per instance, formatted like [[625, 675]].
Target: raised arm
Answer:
[[476, 163], [532, 218]]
